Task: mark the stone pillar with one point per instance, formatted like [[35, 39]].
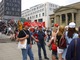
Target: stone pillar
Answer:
[[66, 19], [72, 17], [60, 19], [55, 19]]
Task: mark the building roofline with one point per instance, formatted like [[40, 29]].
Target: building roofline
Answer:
[[38, 5], [67, 6], [25, 10], [73, 3]]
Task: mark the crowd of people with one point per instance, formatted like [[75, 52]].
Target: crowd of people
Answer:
[[62, 49], [63, 41]]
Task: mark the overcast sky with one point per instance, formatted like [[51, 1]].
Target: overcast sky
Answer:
[[26, 4]]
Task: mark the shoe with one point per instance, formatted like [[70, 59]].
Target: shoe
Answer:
[[46, 58]]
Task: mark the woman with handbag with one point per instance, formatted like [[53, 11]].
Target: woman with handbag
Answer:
[[25, 34], [58, 37], [52, 44]]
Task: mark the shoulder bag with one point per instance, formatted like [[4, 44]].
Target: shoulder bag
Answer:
[[22, 44], [62, 42]]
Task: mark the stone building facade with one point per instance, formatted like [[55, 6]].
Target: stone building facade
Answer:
[[66, 14]]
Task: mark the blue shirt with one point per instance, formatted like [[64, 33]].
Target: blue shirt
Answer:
[[75, 35], [41, 36]]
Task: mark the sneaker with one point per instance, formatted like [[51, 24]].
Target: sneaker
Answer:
[[46, 58]]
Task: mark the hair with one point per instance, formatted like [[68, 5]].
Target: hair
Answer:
[[61, 30], [79, 29], [71, 31]]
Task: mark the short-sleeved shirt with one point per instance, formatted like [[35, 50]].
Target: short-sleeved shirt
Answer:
[[41, 36], [22, 34], [75, 35]]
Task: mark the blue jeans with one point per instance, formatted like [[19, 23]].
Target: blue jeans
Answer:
[[39, 49], [27, 51]]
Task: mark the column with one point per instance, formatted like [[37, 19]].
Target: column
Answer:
[[72, 17], [60, 19], [55, 19], [66, 19]]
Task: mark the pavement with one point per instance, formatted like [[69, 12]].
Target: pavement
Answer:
[[4, 38], [9, 50]]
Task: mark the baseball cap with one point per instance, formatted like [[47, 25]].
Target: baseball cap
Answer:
[[26, 24], [40, 26], [72, 25]]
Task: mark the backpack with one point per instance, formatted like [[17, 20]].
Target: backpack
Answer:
[[62, 42]]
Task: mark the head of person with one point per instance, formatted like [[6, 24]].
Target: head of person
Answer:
[[32, 29], [66, 28], [61, 30], [26, 25], [40, 27], [56, 25], [71, 29], [55, 29]]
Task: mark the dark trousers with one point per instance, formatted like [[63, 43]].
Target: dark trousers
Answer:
[[39, 50], [48, 38]]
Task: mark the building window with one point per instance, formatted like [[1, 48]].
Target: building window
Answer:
[[50, 8], [42, 14], [43, 9], [37, 7], [39, 15], [40, 20], [7, 12], [53, 5], [36, 16], [30, 17]]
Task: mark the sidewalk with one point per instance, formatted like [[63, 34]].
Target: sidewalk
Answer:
[[9, 51], [4, 38]]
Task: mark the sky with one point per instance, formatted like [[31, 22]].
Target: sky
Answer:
[[26, 4]]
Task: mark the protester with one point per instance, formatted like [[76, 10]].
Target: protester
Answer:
[[58, 37], [48, 34], [19, 25], [33, 38], [73, 51], [40, 44], [21, 37], [70, 35], [66, 28], [52, 41]]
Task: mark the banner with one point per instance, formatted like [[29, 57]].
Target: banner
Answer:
[[36, 24]]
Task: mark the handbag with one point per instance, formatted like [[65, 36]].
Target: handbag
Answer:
[[22, 44], [62, 42], [54, 46]]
